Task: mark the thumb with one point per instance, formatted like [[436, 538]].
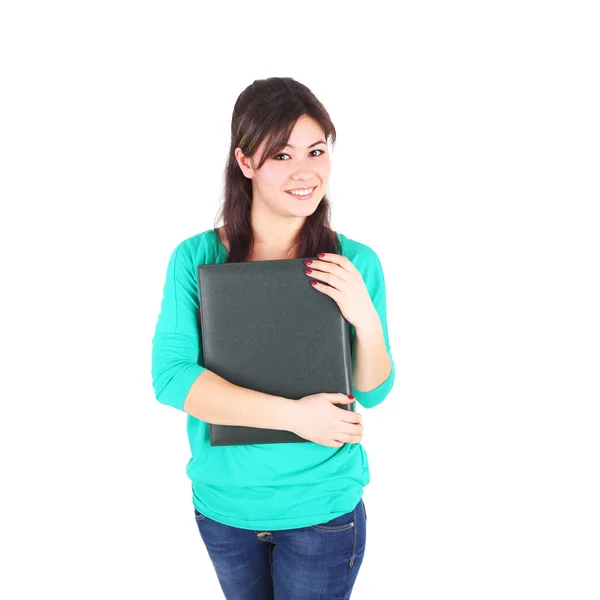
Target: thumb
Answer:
[[342, 399]]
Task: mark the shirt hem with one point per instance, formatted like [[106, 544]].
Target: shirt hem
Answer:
[[278, 524]]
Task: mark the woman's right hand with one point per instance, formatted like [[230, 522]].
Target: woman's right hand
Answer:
[[315, 418]]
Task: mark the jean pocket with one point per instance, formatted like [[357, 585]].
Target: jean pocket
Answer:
[[199, 516], [340, 523]]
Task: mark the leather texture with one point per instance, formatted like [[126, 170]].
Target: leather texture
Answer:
[[263, 326]]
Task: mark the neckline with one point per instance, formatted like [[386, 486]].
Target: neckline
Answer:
[[221, 245], [219, 242]]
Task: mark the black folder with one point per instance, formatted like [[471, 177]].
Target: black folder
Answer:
[[263, 326]]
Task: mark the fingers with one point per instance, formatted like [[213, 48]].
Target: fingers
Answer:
[[353, 434], [351, 417], [346, 438], [349, 439], [342, 399]]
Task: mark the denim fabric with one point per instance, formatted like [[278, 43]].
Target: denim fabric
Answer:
[[319, 562]]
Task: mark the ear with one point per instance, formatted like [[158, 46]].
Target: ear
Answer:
[[244, 163]]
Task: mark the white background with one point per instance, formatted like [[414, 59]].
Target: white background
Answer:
[[467, 157]]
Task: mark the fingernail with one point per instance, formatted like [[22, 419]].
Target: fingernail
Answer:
[[321, 255], [351, 397]]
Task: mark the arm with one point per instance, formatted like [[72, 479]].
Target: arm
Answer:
[[178, 378], [215, 400], [374, 371], [373, 364]]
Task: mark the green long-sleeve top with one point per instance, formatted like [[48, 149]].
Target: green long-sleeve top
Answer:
[[257, 486]]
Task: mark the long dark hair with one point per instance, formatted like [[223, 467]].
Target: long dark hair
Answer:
[[268, 109]]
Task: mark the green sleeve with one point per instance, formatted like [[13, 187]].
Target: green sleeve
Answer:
[[372, 274], [175, 345]]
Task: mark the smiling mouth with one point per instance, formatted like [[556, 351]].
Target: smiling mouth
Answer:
[[301, 193]]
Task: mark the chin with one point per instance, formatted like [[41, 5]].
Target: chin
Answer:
[[309, 210]]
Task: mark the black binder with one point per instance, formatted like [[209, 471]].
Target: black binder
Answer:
[[263, 326]]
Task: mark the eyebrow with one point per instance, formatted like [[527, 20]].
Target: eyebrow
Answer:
[[294, 147]]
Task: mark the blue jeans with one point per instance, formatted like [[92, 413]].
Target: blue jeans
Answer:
[[319, 562]]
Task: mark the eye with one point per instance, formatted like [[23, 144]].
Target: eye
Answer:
[[276, 157]]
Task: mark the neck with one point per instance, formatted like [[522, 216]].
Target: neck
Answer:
[[274, 234]]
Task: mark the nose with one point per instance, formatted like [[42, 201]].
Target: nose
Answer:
[[303, 170], [302, 174], [302, 177]]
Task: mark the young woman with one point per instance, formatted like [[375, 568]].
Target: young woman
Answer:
[[284, 521]]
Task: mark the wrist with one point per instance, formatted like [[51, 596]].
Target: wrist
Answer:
[[369, 326], [286, 413]]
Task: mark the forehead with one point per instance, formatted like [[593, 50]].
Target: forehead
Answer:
[[306, 131]]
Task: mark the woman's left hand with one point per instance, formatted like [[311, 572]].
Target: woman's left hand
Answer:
[[347, 288]]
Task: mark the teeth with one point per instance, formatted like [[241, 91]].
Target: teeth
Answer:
[[305, 193]]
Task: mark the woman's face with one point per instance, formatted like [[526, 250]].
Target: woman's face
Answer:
[[305, 165]]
